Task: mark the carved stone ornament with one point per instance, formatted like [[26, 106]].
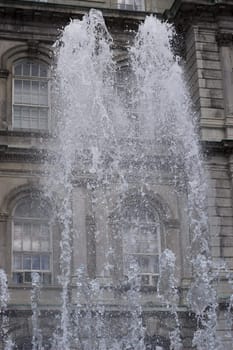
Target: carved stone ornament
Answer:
[[4, 73], [224, 39], [33, 48]]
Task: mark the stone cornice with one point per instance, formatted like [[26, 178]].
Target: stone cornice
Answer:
[[60, 12], [186, 12]]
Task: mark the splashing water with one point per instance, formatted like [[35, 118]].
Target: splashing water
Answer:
[[5, 338], [116, 146], [35, 299]]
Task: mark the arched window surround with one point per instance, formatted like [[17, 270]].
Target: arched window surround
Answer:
[[9, 202], [33, 50], [30, 95], [158, 209], [31, 240]]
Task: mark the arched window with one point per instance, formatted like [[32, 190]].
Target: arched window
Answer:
[[30, 95], [31, 241], [141, 241]]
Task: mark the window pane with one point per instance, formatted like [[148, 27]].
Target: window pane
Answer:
[[18, 277], [43, 70], [26, 98], [27, 277], [35, 93], [45, 238], [35, 118], [17, 240], [18, 91], [25, 118], [18, 69], [143, 263], [17, 117], [47, 278], [36, 237], [43, 119], [43, 93], [35, 262], [17, 263], [26, 68], [27, 262], [27, 237], [45, 263], [155, 264], [35, 69]]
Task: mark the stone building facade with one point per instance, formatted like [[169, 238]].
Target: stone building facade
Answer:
[[28, 30]]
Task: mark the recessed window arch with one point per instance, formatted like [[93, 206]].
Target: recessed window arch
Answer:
[[31, 102], [141, 238], [31, 240]]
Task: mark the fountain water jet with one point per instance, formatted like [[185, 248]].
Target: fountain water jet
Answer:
[[104, 143]]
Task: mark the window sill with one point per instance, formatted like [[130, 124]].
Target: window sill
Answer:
[[28, 286], [26, 133]]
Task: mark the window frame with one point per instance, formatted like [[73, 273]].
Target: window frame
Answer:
[[37, 106], [131, 5], [152, 225], [30, 220]]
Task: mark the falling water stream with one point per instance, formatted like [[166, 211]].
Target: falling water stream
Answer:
[[115, 145], [105, 140]]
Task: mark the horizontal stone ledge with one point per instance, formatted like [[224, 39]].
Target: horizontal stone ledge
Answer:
[[213, 147], [209, 113], [206, 47], [212, 102]]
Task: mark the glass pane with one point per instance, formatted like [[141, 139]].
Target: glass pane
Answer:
[[45, 263], [27, 262], [27, 277], [26, 68], [43, 118], [18, 69], [35, 118], [36, 237], [17, 242], [35, 69], [17, 117], [45, 238], [25, 118], [43, 70], [35, 93], [155, 264], [35, 262], [17, 263], [145, 279], [43, 93], [144, 264], [27, 237], [26, 97], [18, 91], [47, 278], [18, 277]]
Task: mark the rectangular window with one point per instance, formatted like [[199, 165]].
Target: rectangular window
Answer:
[[31, 96], [135, 5]]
